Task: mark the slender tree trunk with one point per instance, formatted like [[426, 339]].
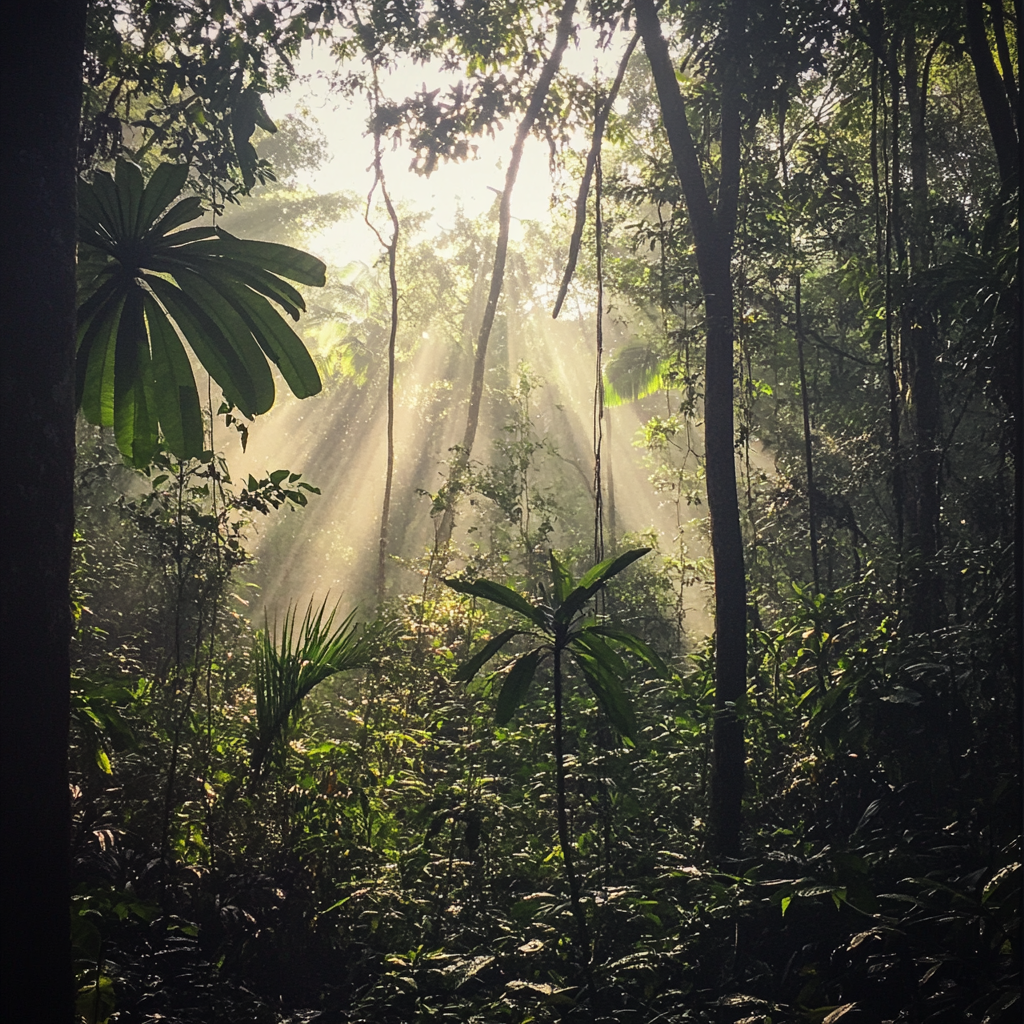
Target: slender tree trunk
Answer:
[[42, 97], [598, 372], [918, 334], [460, 463], [993, 94], [812, 511], [564, 839], [391, 246], [713, 235]]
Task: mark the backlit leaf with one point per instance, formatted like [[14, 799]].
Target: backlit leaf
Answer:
[[516, 686]]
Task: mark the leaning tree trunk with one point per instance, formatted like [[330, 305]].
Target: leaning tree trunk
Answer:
[[713, 237], [460, 464], [42, 97]]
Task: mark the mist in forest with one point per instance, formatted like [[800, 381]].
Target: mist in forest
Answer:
[[538, 407]]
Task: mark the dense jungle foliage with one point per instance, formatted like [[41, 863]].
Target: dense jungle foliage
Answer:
[[486, 791]]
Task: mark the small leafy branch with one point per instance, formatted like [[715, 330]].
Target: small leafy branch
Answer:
[[561, 626]]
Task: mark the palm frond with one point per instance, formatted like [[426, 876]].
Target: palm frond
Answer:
[[287, 667]]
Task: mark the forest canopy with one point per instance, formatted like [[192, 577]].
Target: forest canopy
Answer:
[[610, 616]]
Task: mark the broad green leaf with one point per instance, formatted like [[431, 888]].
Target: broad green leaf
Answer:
[[598, 649], [484, 655], [219, 303], [634, 644], [213, 350], [96, 364], [177, 400], [282, 260], [562, 580], [610, 567], [92, 306], [280, 343], [267, 284], [110, 206], [180, 243], [607, 688], [181, 213], [164, 184], [499, 595], [594, 580], [134, 420], [130, 187], [516, 686], [209, 298]]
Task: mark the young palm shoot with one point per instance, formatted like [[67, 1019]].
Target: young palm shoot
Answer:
[[561, 626], [286, 669]]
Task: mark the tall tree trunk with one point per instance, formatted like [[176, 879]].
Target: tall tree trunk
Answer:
[[391, 247], [994, 100], [562, 811], [919, 342], [713, 236], [805, 402], [460, 464], [42, 99]]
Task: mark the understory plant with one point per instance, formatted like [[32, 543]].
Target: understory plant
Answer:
[[558, 625]]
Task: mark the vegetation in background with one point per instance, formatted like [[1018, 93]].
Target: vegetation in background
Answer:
[[809, 219]]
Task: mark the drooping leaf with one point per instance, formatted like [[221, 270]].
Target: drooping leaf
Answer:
[[597, 648], [134, 419], [607, 688], [282, 260], [516, 686], [95, 366], [177, 400], [484, 655], [211, 301], [277, 340], [215, 352], [499, 595], [636, 646]]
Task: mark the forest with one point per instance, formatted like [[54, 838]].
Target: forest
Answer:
[[611, 614]]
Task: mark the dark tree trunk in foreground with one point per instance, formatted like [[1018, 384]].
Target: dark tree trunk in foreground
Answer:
[[713, 236], [42, 95], [993, 93]]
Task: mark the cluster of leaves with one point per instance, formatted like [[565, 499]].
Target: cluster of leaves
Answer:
[[400, 858], [144, 282]]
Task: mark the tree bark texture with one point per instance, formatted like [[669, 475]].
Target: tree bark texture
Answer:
[[713, 236], [42, 98]]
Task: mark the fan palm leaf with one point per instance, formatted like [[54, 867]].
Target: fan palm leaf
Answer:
[[147, 283]]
